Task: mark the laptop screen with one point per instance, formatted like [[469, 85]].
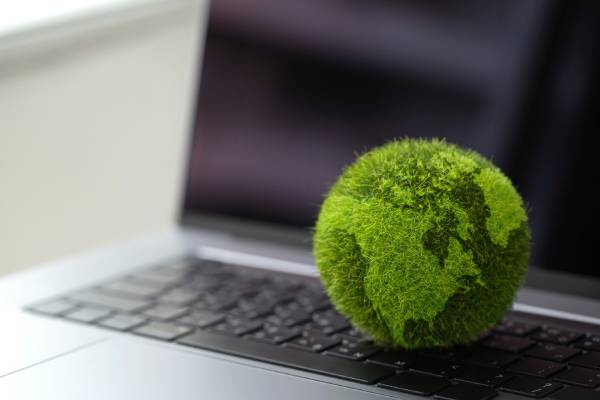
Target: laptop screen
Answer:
[[290, 92]]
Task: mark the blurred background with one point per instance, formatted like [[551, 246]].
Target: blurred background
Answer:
[[94, 99], [95, 134]]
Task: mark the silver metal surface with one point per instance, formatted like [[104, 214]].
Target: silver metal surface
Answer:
[[28, 340], [126, 368]]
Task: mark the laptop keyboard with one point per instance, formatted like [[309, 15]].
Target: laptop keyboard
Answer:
[[288, 320]]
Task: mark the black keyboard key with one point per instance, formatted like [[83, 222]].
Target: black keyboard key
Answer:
[[313, 343], [165, 312], [557, 336], [324, 329], [163, 330], [179, 296], [589, 360], [434, 366], [485, 376], [415, 383], [123, 322], [327, 323], [291, 314], [330, 318], [331, 366], [276, 294], [393, 358], [55, 308], [201, 283], [530, 387], [202, 318], [454, 353], [515, 328], [236, 326], [466, 391], [574, 393], [219, 301], [252, 309], [511, 344], [311, 304], [89, 315], [535, 367], [136, 288], [589, 343], [274, 334], [96, 298], [275, 320], [260, 300], [249, 313], [285, 282], [492, 358], [353, 351], [313, 290], [580, 377], [353, 335], [172, 273], [552, 352], [244, 285], [162, 276]]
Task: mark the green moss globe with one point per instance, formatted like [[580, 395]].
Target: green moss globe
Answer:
[[422, 244]]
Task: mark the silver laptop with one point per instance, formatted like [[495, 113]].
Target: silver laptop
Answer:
[[228, 305]]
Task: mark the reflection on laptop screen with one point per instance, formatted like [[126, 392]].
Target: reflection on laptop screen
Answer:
[[291, 92]]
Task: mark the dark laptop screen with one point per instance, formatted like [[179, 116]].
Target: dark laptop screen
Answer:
[[291, 91]]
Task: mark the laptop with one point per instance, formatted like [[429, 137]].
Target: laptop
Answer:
[[228, 304]]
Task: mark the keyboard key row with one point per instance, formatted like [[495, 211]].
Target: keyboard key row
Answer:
[[289, 357]]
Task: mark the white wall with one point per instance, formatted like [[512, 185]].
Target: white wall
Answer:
[[93, 132]]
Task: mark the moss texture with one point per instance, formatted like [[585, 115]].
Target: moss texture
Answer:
[[422, 244]]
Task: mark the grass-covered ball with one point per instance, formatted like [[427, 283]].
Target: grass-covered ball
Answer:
[[422, 244]]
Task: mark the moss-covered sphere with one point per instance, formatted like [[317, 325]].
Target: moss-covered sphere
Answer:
[[422, 244]]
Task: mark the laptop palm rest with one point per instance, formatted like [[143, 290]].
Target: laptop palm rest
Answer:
[[29, 340], [131, 368]]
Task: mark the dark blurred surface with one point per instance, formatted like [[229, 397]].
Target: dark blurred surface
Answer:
[[291, 91]]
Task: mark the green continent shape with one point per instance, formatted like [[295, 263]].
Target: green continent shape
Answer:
[[505, 204]]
